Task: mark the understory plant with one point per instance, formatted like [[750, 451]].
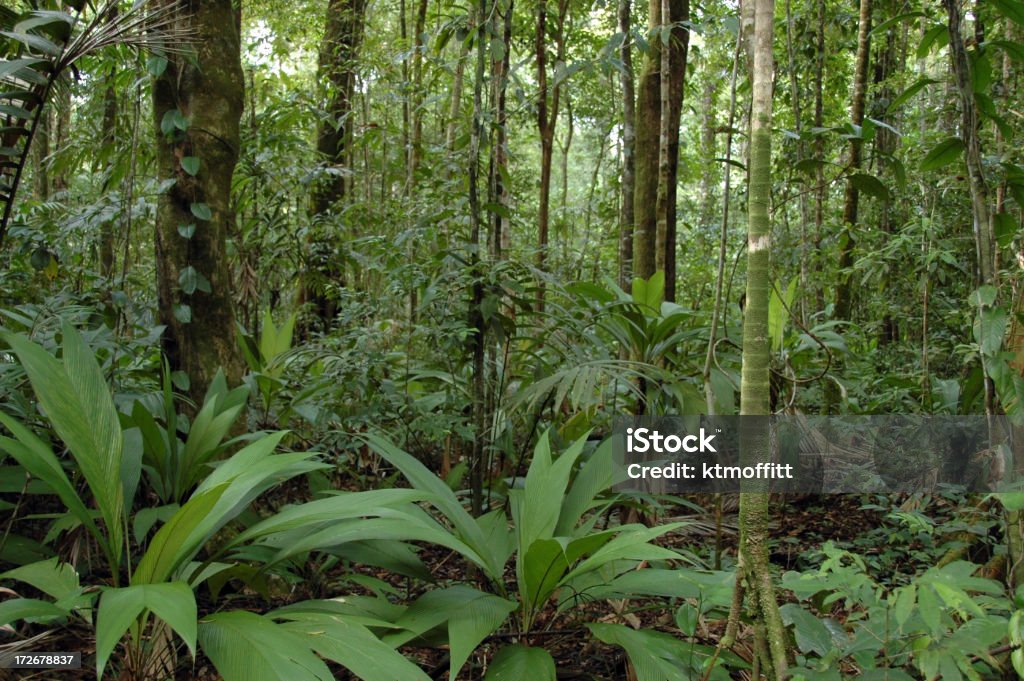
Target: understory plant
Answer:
[[142, 592]]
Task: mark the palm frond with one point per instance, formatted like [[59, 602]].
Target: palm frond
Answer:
[[46, 43]]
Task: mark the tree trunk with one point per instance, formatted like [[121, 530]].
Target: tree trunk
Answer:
[[547, 119], [754, 387], [657, 143], [499, 192], [980, 208], [844, 304], [204, 95], [336, 69], [109, 136], [628, 147]]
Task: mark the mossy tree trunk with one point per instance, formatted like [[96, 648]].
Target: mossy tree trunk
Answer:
[[197, 107]]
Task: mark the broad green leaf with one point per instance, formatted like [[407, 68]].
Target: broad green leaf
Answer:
[[595, 476], [202, 211], [912, 90], [443, 498], [477, 618], [811, 634], [351, 645], [944, 153], [519, 663], [37, 458], [176, 540], [244, 646], [1006, 227], [332, 509], [1011, 9], [187, 231], [172, 602], [906, 598], [78, 403], [52, 577], [29, 609], [869, 184], [990, 328], [190, 164]]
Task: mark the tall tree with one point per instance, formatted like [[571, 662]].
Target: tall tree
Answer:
[[658, 110], [336, 69], [755, 401], [628, 146], [851, 201], [548, 100], [197, 108]]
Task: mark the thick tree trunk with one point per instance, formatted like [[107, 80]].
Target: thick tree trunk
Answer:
[[205, 95], [628, 147], [844, 304], [338, 51]]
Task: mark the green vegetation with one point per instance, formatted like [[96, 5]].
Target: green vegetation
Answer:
[[315, 317]]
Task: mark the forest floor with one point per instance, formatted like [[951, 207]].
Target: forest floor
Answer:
[[800, 527]]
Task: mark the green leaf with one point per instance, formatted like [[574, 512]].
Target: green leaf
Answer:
[[928, 605], [869, 184], [944, 153], [190, 164], [54, 578], [173, 120], [889, 23], [78, 403], [156, 65], [1011, 9], [174, 603], [912, 90], [811, 634], [183, 313], [247, 647], [351, 645], [1006, 228], [36, 457], [202, 211], [936, 36], [191, 280], [519, 662], [28, 609], [990, 329], [187, 231]]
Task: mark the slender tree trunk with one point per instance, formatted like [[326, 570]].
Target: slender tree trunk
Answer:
[[500, 60], [416, 152], [109, 136], [982, 211], [547, 118], [478, 446], [628, 147], [194, 289], [844, 304], [754, 388]]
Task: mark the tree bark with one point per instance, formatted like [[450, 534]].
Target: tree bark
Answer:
[[755, 399], [628, 147], [844, 304], [658, 109], [207, 91], [547, 119], [336, 69]]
